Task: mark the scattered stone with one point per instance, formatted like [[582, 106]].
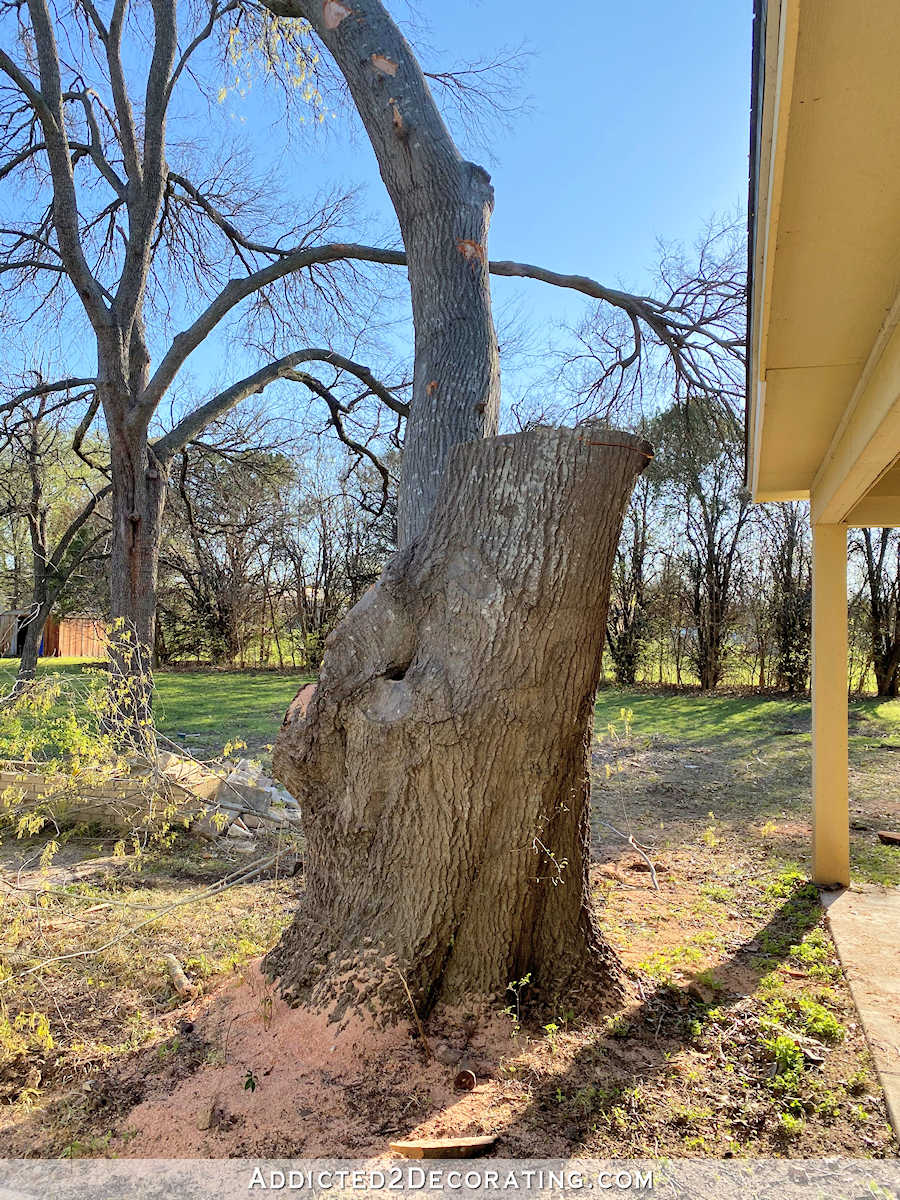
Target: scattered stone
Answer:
[[245, 798], [445, 1054], [889, 837], [180, 981], [244, 847], [246, 785], [189, 775], [209, 1116], [212, 825], [237, 829]]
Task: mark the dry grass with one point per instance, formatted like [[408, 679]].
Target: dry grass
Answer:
[[743, 1041], [79, 1019]]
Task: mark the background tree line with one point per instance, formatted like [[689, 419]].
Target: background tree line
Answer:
[[710, 590], [268, 541]]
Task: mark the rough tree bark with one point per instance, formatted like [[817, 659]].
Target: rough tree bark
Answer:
[[443, 205], [139, 493], [139, 475], [442, 761]]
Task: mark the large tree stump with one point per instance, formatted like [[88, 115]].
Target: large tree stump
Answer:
[[442, 761]]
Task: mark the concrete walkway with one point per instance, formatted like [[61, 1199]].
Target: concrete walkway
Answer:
[[865, 924]]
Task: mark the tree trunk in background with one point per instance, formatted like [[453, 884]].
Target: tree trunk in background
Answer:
[[884, 609], [139, 492], [31, 645], [627, 624], [442, 761], [885, 668], [40, 598]]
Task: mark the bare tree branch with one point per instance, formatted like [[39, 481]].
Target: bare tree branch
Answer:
[[283, 368], [95, 147], [112, 43], [48, 106], [230, 230], [239, 289], [22, 157], [337, 413], [215, 14]]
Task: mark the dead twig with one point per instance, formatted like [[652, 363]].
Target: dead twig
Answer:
[[412, 1005], [635, 845], [216, 889]]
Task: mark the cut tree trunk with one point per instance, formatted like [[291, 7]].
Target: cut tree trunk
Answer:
[[442, 761]]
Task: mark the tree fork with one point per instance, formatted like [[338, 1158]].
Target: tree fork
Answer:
[[442, 760]]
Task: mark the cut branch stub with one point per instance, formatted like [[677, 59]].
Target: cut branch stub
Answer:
[[442, 762]]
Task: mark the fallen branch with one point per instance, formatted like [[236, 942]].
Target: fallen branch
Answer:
[[222, 885], [630, 839]]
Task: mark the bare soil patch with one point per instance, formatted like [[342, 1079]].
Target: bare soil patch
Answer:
[[742, 1038]]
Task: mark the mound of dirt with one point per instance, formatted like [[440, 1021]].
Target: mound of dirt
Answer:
[[280, 1081]]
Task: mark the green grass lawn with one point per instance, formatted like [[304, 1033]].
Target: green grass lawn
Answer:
[[202, 710], [692, 717], [741, 765], [210, 708], [715, 787], [743, 757]]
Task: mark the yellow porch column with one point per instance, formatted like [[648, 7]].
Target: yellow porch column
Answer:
[[831, 818]]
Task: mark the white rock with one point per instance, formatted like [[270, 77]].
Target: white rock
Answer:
[[237, 829]]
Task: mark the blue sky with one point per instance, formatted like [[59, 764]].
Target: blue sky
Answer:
[[635, 128], [638, 127]]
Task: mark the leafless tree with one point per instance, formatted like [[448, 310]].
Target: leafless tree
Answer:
[[629, 620], [880, 552], [39, 487], [691, 346], [696, 452], [112, 214]]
